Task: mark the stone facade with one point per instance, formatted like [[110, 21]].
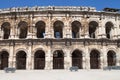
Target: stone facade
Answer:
[[59, 30]]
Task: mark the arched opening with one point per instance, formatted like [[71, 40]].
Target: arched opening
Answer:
[[6, 30], [40, 26], [75, 29], [4, 59], [39, 60], [92, 29], [21, 60], [58, 29], [94, 59], [111, 58], [77, 59], [108, 28], [58, 59], [23, 29]]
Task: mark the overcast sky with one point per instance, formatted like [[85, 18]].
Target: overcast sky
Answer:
[[99, 4]]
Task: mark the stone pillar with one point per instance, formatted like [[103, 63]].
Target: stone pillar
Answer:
[[115, 32], [102, 33], [11, 56], [84, 61], [67, 59], [11, 34], [117, 60], [104, 53], [29, 35], [85, 29], [34, 36], [87, 58], [101, 61], [0, 34], [68, 30], [48, 62], [17, 32], [28, 59], [32, 62], [51, 60], [14, 61]]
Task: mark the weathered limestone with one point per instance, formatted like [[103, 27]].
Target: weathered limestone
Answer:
[[103, 39]]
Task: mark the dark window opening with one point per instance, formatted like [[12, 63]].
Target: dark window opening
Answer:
[[6, 30], [40, 26], [58, 29], [108, 27], [92, 29], [23, 29], [75, 29]]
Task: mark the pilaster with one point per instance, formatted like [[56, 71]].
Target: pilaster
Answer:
[[67, 59], [11, 56], [48, 62], [29, 54]]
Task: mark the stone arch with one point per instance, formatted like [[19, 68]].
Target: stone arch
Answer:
[[108, 29], [40, 27], [58, 59], [21, 49], [39, 59], [4, 56], [111, 58], [21, 57], [6, 26], [75, 25], [58, 29], [92, 29], [77, 58], [23, 29], [36, 49], [94, 59], [60, 50]]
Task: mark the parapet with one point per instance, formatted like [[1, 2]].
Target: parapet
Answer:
[[48, 8]]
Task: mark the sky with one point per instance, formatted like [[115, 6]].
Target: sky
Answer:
[[99, 4]]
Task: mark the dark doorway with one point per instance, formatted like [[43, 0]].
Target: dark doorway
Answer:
[[3, 59], [58, 29], [23, 29], [77, 59], [39, 60], [111, 58], [21, 60], [94, 59], [40, 26], [58, 59], [6, 29]]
